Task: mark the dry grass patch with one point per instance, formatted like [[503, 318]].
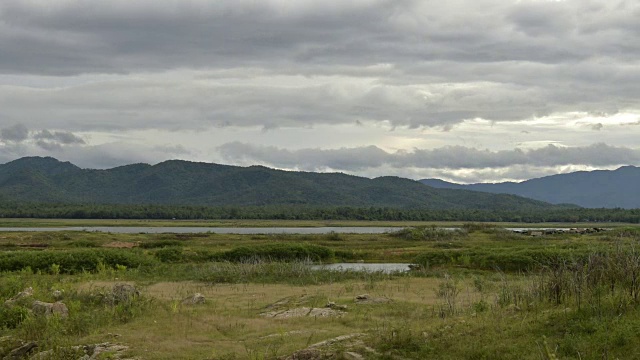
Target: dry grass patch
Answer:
[[229, 322]]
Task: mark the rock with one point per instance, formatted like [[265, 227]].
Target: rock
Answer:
[[24, 294], [89, 352], [49, 309], [306, 354], [362, 297], [8, 343], [333, 305], [197, 298], [124, 293], [21, 352], [325, 349], [57, 294], [350, 355], [303, 312], [319, 312]]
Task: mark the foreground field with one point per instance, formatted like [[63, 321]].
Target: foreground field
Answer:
[[480, 293]]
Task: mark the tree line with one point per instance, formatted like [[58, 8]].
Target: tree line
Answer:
[[297, 212]]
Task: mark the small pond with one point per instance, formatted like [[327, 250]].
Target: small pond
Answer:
[[365, 267]]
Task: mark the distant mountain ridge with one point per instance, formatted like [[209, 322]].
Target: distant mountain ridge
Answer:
[[618, 188], [176, 182]]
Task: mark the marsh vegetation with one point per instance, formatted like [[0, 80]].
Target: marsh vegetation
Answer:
[[478, 293]]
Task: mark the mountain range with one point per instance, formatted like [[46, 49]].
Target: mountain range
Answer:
[[176, 182], [618, 188]]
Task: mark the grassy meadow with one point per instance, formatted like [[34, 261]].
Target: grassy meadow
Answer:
[[477, 293]]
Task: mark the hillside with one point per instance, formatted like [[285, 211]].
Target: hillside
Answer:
[[592, 189], [176, 182]]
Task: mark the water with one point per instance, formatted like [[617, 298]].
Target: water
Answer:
[[216, 230], [236, 230], [369, 267]]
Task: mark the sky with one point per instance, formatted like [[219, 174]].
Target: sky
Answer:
[[462, 90]]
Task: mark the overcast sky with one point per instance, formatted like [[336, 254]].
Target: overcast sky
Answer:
[[463, 90]]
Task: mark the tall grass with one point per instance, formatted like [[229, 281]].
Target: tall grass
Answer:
[[430, 233]]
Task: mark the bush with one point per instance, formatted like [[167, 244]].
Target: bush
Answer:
[[11, 317], [83, 244], [429, 233], [72, 261], [279, 252], [169, 255]]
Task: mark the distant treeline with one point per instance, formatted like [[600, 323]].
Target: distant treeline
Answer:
[[280, 212]]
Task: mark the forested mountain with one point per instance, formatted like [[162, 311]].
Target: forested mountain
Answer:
[[593, 189], [47, 180]]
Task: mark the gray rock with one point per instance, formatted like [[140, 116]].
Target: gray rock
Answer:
[[333, 305], [48, 309], [88, 352], [350, 355], [57, 294], [24, 294], [303, 312], [21, 352]]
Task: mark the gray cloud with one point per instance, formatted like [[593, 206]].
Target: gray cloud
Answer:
[[449, 157], [62, 137], [413, 63], [123, 68], [15, 133]]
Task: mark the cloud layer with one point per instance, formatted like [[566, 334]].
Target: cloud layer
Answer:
[[449, 157], [87, 75]]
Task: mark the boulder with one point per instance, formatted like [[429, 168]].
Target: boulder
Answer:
[[48, 309], [333, 305], [21, 352], [24, 294]]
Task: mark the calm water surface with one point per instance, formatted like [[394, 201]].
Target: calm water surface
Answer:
[[370, 267], [234, 230], [216, 230]]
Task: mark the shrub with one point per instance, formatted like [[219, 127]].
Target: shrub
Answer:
[[279, 252], [71, 261], [169, 255], [429, 233], [83, 244], [12, 316]]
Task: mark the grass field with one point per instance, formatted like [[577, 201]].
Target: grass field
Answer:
[[481, 293]]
